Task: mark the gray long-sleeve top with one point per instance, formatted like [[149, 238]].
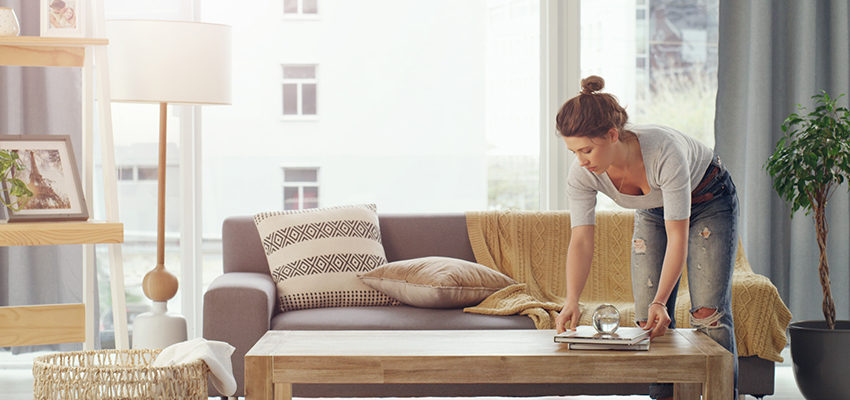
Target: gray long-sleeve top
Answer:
[[674, 164]]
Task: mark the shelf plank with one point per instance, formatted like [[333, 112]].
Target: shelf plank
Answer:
[[42, 56], [45, 51], [52, 41], [52, 233], [42, 324]]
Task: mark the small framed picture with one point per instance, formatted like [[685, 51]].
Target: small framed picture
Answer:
[[63, 18], [49, 170]]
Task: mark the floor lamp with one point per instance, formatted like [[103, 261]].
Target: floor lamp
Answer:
[[166, 62]]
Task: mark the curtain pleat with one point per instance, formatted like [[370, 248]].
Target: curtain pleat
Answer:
[[774, 55]]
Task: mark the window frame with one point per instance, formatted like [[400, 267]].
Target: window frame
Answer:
[[560, 74], [300, 185], [299, 14], [299, 82], [132, 175]]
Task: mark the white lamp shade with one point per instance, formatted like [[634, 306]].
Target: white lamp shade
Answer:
[[169, 62]]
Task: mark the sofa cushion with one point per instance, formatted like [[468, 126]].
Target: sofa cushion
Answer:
[[315, 255], [394, 317], [436, 282]]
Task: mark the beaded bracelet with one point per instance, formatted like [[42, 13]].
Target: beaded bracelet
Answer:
[[660, 304]]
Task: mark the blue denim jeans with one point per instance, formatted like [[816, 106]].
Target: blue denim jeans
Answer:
[[712, 244]]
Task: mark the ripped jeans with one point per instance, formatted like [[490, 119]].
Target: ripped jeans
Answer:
[[712, 244]]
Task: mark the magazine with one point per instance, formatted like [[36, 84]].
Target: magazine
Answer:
[[642, 346], [587, 334]]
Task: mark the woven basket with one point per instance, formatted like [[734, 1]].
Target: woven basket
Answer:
[[116, 374]]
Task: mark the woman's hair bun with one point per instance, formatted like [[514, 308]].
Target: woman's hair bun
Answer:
[[593, 83]]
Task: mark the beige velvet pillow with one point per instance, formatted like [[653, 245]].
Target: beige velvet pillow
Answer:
[[436, 282]]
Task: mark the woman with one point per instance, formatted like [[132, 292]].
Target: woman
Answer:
[[686, 209]]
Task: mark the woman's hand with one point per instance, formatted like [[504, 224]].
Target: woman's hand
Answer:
[[658, 320], [568, 317]]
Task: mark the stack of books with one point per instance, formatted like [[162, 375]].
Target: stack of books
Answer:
[[585, 337]]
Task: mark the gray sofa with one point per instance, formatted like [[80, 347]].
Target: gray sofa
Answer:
[[240, 306]]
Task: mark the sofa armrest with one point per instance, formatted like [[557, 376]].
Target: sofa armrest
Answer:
[[238, 307]]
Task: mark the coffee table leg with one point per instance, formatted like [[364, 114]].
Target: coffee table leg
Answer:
[[719, 384], [282, 391], [686, 391], [258, 378]]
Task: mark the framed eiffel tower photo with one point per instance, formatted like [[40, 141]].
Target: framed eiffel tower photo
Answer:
[[46, 166]]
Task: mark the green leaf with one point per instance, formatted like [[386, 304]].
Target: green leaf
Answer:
[[813, 154]]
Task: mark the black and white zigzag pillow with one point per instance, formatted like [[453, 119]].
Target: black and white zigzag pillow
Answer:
[[315, 255]]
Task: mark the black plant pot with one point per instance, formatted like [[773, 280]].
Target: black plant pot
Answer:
[[820, 358]]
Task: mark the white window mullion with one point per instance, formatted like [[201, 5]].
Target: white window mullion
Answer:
[[192, 225], [298, 92], [190, 205], [560, 73], [301, 196]]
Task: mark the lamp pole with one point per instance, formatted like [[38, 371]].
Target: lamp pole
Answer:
[[158, 328]]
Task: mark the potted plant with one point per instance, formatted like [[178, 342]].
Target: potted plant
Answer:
[[12, 187], [810, 161]]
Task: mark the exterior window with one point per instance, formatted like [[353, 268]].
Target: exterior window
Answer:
[[126, 173], [137, 173], [304, 7], [300, 188], [148, 173], [299, 90]]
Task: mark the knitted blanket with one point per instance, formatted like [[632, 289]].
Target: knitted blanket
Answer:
[[531, 247]]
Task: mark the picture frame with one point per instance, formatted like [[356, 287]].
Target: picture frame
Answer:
[[63, 18], [58, 191]]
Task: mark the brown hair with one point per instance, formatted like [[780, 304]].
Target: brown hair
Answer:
[[591, 114]]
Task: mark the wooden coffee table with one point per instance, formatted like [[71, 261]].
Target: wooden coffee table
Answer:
[[689, 359]]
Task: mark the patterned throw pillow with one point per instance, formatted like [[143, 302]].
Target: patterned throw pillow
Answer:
[[315, 255]]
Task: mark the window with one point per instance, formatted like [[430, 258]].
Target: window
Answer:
[[148, 173], [512, 111], [300, 188], [126, 173], [672, 79], [138, 173], [299, 90], [303, 7], [665, 71]]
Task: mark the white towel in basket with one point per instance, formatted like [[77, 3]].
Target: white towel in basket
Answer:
[[216, 354]]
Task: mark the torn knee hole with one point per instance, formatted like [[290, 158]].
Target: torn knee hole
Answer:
[[639, 246], [704, 312], [704, 317]]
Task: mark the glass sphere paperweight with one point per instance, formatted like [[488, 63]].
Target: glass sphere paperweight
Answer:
[[606, 319]]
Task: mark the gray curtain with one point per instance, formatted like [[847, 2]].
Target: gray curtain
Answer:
[[774, 55], [40, 101]]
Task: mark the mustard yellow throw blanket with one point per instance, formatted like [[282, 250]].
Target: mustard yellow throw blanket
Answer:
[[531, 247]]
